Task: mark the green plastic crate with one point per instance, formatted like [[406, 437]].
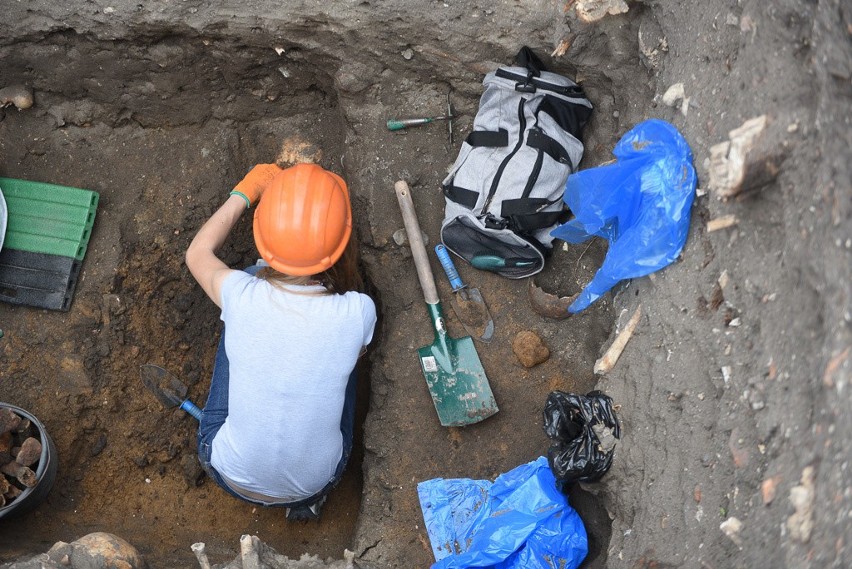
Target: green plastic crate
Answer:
[[46, 218]]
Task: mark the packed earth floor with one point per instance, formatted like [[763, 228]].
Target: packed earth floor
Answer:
[[733, 392]]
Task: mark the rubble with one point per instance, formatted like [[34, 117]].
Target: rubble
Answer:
[[593, 10], [749, 159], [801, 523], [20, 96], [732, 528]]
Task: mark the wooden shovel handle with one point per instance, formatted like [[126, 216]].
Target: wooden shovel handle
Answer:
[[415, 239]]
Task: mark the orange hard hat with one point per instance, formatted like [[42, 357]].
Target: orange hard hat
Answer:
[[303, 221]]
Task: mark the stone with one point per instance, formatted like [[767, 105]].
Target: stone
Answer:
[[530, 349], [768, 488], [102, 550], [801, 523]]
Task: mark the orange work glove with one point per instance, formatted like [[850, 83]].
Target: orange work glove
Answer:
[[255, 182]]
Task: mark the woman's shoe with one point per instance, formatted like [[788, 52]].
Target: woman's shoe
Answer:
[[306, 513]]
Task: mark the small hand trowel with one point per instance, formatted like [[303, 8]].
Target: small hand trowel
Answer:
[[169, 390], [467, 303]]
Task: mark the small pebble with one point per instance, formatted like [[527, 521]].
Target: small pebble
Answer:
[[400, 237]]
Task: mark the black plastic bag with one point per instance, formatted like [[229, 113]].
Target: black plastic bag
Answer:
[[584, 429]]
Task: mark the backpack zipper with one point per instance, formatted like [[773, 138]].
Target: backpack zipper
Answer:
[[574, 91], [539, 159], [522, 120]]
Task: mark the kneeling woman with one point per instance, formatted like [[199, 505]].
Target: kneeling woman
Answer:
[[277, 426]]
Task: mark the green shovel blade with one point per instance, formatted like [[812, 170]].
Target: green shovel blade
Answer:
[[455, 377]]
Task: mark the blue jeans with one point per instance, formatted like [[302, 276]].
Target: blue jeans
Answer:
[[216, 411]]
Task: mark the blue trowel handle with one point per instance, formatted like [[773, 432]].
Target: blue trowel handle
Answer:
[[191, 408], [449, 267]]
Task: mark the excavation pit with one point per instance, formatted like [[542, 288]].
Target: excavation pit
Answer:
[[162, 125]]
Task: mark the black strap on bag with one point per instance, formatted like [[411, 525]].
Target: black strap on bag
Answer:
[[461, 196], [539, 140], [488, 138]]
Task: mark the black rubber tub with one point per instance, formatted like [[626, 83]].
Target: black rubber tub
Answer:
[[45, 470]]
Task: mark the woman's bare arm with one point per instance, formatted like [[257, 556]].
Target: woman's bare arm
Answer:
[[201, 257]]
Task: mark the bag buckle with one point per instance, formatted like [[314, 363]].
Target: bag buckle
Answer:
[[492, 222], [527, 86]]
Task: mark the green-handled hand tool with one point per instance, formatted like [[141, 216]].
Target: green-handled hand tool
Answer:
[[400, 124], [454, 374], [493, 262]]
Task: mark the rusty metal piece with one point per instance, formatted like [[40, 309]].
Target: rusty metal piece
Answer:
[[549, 305], [9, 420], [28, 453], [24, 475]]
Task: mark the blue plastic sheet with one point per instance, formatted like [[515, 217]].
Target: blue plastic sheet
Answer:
[[519, 521], [641, 204]]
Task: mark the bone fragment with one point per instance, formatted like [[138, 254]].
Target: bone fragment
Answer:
[[24, 475], [29, 453], [723, 222], [249, 552], [9, 420], [5, 443], [12, 493], [200, 551], [608, 360]]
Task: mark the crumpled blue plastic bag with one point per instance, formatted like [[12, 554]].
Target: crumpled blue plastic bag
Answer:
[[519, 521], [641, 204]]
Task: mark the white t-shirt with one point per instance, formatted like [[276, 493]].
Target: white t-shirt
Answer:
[[290, 357]]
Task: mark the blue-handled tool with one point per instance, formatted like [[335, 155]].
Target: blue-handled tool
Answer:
[[467, 303], [168, 389]]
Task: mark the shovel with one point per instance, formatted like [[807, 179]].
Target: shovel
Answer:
[[169, 390], [467, 302], [454, 374]]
